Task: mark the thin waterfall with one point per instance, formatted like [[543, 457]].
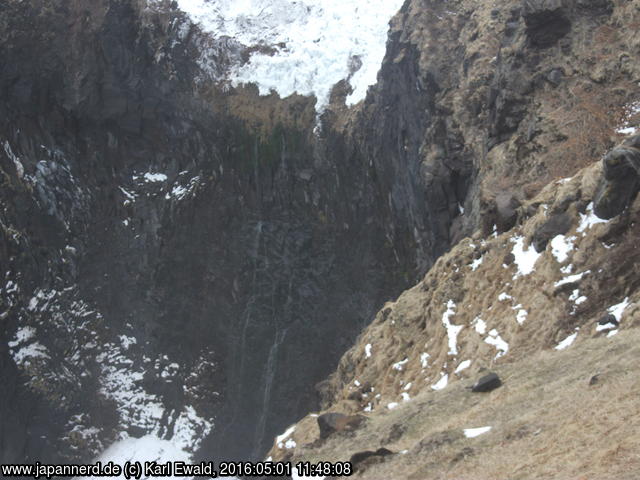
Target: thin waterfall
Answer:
[[270, 374]]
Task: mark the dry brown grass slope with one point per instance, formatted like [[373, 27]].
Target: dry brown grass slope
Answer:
[[548, 422]]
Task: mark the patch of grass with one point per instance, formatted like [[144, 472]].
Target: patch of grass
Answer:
[[548, 422]]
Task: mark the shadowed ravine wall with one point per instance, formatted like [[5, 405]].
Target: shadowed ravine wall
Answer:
[[285, 246]]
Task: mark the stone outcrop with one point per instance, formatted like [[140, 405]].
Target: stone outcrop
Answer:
[[487, 383], [330, 423], [620, 182]]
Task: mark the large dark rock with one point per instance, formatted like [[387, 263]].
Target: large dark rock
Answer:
[[362, 460], [487, 383], [546, 21], [609, 319], [506, 211], [620, 182], [557, 224]]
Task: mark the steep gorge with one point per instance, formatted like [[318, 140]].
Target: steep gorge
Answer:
[[192, 260]]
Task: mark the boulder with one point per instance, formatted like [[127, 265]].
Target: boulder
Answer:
[[487, 383], [619, 183], [557, 224], [360, 460], [546, 22], [506, 210], [332, 422], [609, 319]]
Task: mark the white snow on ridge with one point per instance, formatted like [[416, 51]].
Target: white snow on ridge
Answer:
[[316, 44]]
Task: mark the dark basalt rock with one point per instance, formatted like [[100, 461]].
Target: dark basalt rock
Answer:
[[557, 224], [487, 383], [546, 22], [506, 211], [362, 460], [620, 182], [608, 319]]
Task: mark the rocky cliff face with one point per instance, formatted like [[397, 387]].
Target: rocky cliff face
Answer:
[[188, 261], [519, 96], [178, 260]]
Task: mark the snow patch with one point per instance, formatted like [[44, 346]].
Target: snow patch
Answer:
[[28, 353], [424, 360], [23, 334], [463, 366], [153, 177], [525, 259], [589, 219], [479, 325], [398, 366], [312, 45], [567, 342], [476, 432], [149, 448], [442, 383], [452, 330], [521, 317], [123, 383], [503, 297], [606, 327], [16, 160], [576, 298], [281, 438], [572, 279], [618, 310], [476, 264], [496, 340], [561, 247]]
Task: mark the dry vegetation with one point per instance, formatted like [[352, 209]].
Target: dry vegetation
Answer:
[[549, 422]]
